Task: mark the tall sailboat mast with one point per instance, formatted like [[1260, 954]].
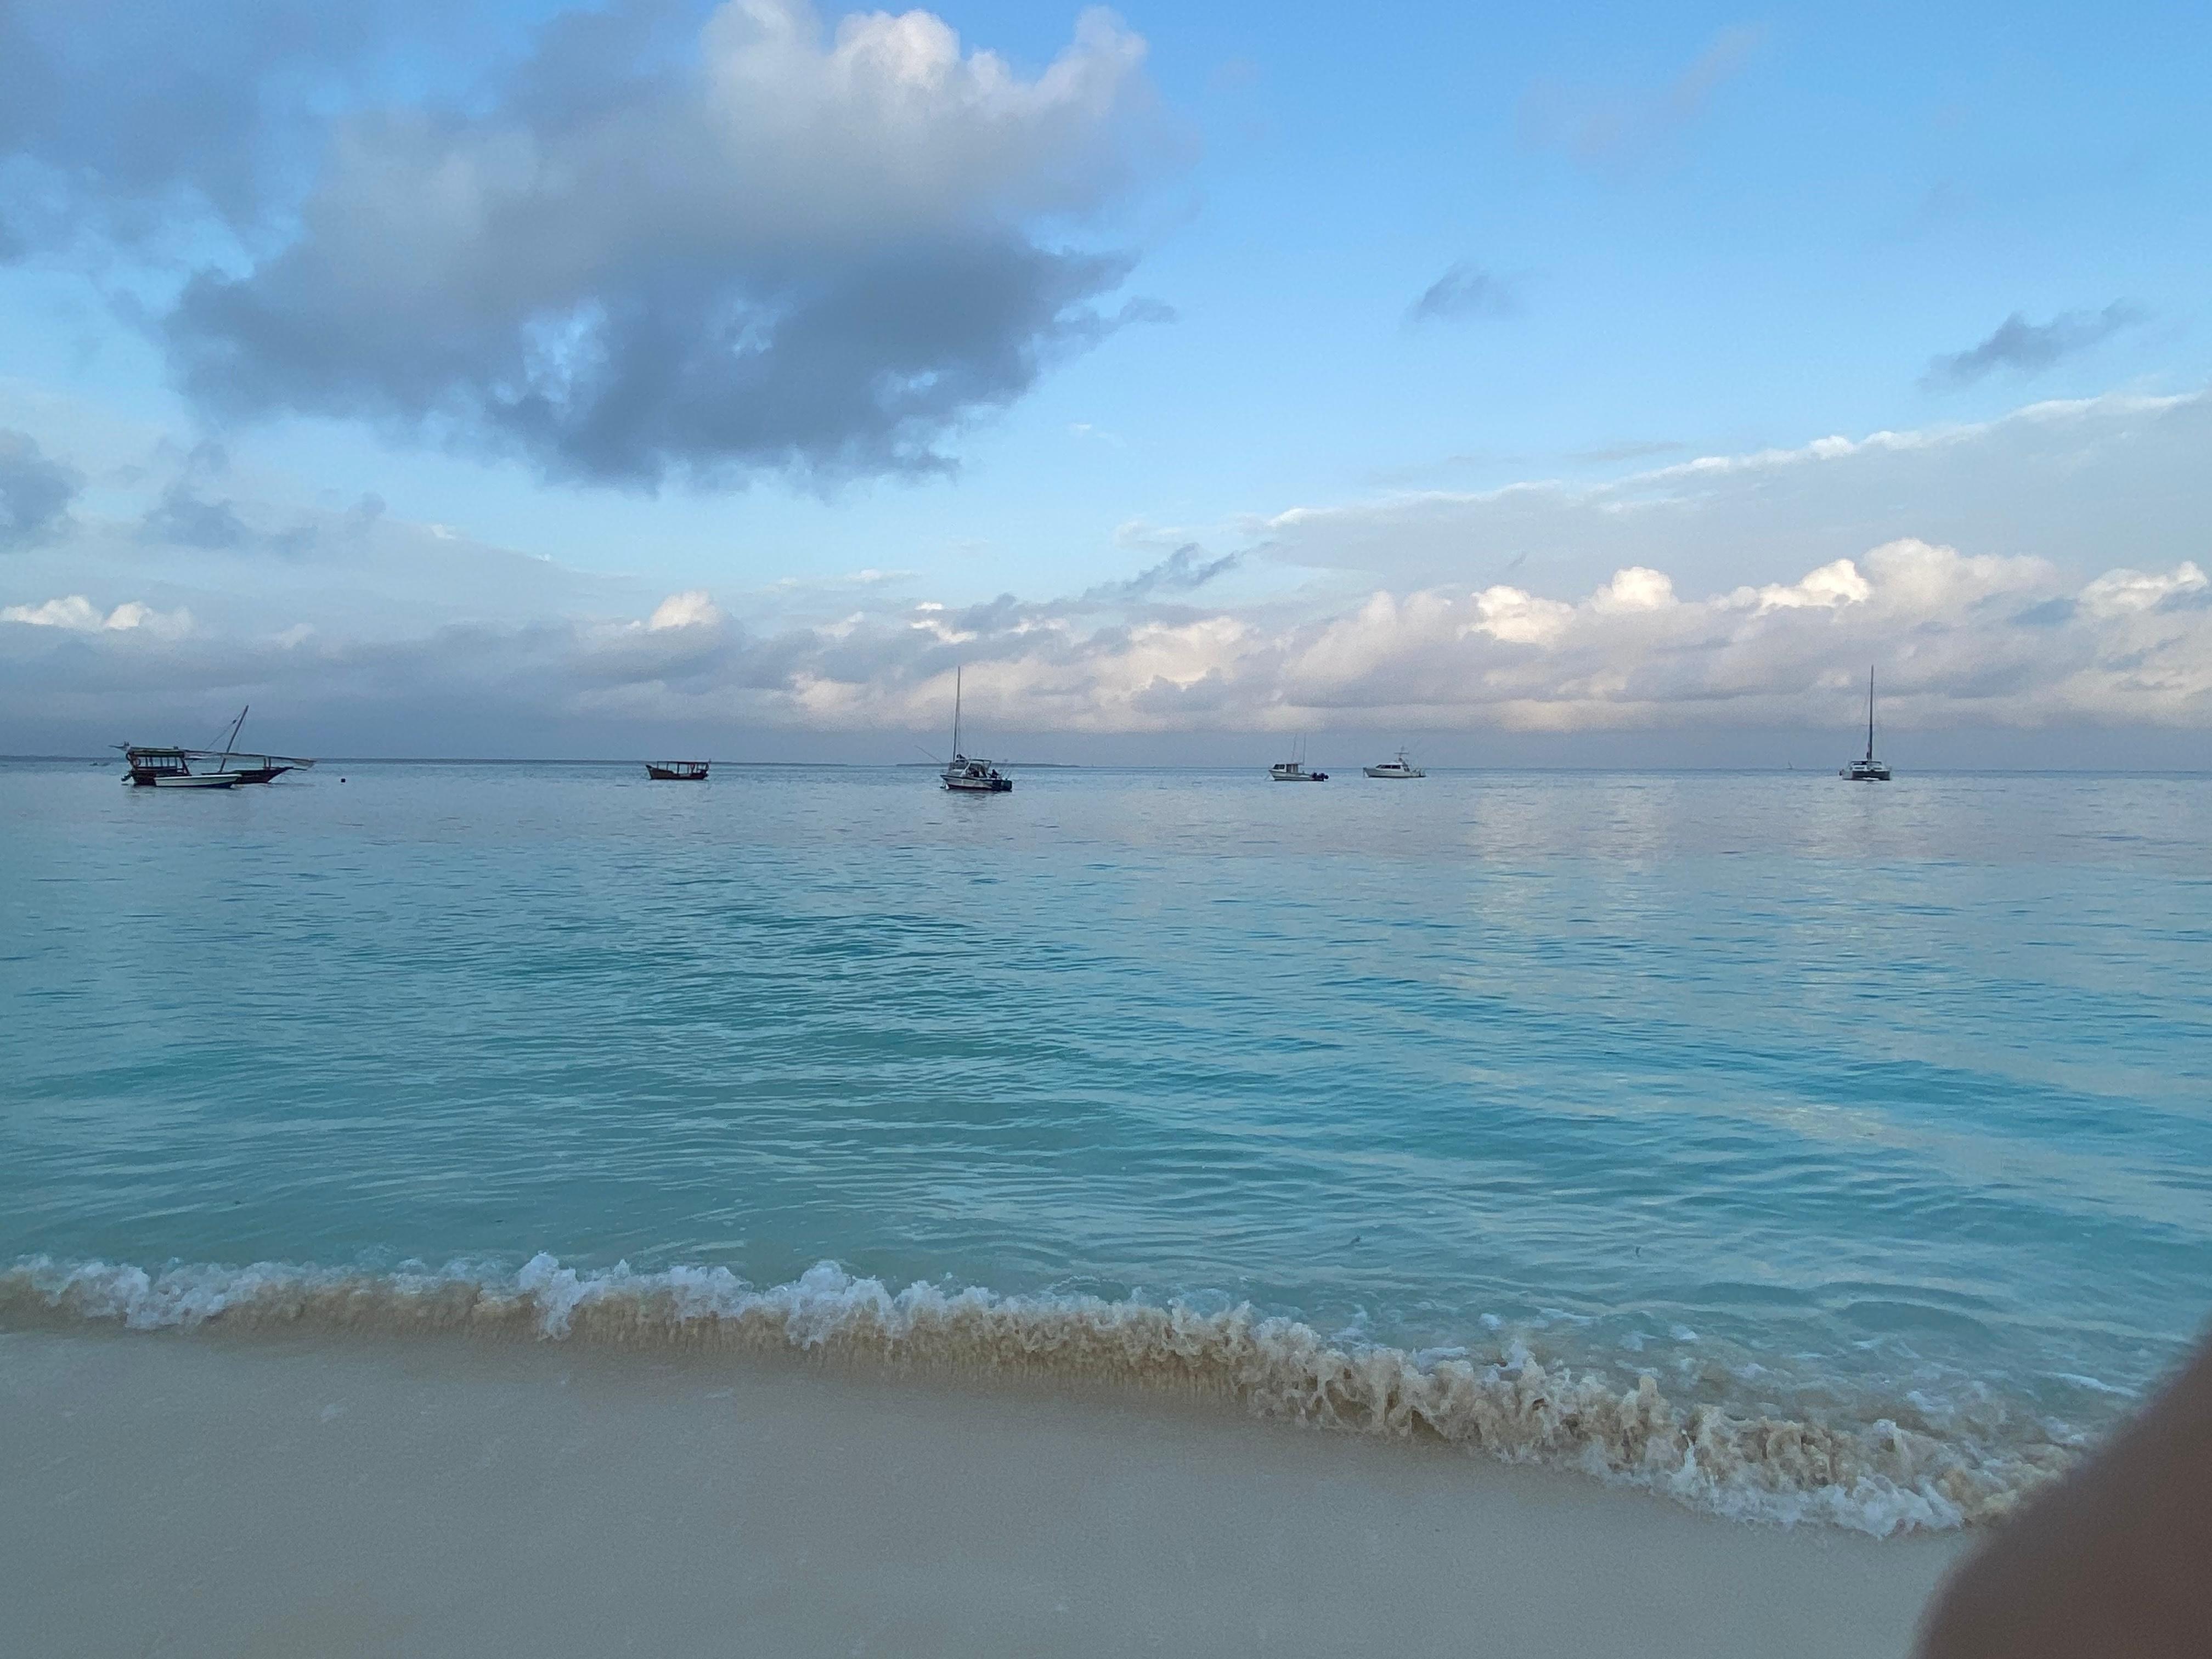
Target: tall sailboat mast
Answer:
[[231, 741], [1869, 714], [957, 669]]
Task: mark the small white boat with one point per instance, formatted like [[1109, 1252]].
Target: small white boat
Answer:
[[1399, 768], [1867, 769], [964, 774], [1293, 770]]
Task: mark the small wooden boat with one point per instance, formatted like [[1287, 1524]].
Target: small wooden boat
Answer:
[[677, 771]]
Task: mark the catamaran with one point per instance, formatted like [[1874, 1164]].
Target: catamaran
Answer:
[[964, 773], [172, 768], [1868, 770], [1399, 768]]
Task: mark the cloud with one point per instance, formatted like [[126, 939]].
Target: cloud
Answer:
[[1606, 128], [1465, 290], [2030, 348], [1723, 592], [35, 492], [2129, 647], [260, 553], [693, 608], [186, 518], [757, 247], [76, 614], [117, 123], [1629, 450], [1183, 571], [2039, 480]]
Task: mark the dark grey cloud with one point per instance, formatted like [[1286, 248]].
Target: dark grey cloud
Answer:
[[35, 492], [667, 240], [2029, 348], [1183, 571], [119, 121], [1465, 290], [193, 514], [185, 518], [866, 368]]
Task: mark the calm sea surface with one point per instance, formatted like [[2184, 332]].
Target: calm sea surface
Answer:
[[1804, 1097]]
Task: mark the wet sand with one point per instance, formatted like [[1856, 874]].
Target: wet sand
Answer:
[[197, 1495]]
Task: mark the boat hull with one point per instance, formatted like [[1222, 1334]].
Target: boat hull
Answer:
[[198, 780]]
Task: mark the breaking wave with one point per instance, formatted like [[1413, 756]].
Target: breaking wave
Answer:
[[1870, 1475]]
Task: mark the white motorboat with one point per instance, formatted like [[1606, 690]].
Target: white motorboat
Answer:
[[964, 773], [1867, 769], [1293, 770], [1399, 768]]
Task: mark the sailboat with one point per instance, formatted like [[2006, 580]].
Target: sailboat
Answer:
[[1867, 769], [964, 773]]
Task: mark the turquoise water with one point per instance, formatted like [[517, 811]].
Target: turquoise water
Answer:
[[1837, 1106]]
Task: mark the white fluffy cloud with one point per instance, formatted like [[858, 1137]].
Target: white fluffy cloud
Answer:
[[690, 608], [76, 614]]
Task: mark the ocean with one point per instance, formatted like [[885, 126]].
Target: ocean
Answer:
[[1804, 1152]]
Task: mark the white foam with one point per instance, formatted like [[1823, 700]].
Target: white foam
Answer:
[[1870, 1475]]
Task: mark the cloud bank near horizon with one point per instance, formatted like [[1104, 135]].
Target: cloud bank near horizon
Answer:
[[1422, 613], [1957, 638]]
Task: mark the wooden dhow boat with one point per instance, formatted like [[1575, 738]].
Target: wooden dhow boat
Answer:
[[217, 769]]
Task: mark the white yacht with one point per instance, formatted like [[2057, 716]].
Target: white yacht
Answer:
[[1867, 769], [964, 773], [1293, 770], [1399, 768]]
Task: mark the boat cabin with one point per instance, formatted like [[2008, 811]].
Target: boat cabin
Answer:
[[149, 765]]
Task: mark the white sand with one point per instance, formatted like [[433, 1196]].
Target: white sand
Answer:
[[193, 1495]]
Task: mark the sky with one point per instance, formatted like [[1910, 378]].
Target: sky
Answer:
[[1589, 385]]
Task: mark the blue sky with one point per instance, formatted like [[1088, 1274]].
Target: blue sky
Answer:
[[1651, 236]]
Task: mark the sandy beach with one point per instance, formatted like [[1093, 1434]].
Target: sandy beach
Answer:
[[203, 1495]]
